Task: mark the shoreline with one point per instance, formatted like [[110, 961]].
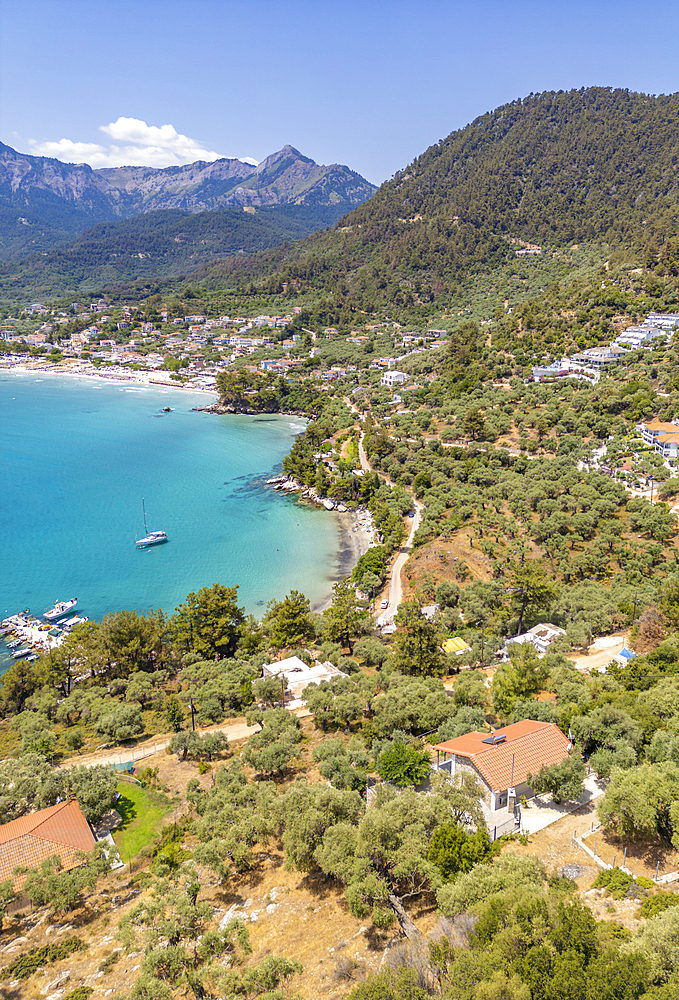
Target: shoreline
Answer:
[[141, 379], [355, 529], [354, 541]]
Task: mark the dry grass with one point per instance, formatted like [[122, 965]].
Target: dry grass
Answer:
[[643, 856]]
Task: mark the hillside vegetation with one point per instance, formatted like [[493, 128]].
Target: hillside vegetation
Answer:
[[44, 201], [550, 170], [156, 245], [535, 502]]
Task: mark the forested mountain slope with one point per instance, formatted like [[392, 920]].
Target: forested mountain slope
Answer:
[[156, 245], [43, 200], [552, 169]]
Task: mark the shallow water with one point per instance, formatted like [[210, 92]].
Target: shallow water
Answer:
[[77, 457]]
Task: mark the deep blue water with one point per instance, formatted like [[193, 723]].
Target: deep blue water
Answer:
[[77, 457]]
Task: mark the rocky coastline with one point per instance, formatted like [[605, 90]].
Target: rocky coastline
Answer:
[[222, 408], [288, 484]]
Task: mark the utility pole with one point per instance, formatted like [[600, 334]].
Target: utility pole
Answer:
[[193, 717], [282, 690], [483, 639]]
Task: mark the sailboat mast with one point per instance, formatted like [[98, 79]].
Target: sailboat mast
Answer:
[[143, 507]]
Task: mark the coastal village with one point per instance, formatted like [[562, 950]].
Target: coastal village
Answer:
[[436, 755], [536, 778]]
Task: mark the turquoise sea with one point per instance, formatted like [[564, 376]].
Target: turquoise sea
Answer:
[[77, 457]]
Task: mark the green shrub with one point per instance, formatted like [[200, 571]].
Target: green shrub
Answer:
[[107, 963], [645, 883], [81, 993], [654, 905], [615, 880], [25, 965]]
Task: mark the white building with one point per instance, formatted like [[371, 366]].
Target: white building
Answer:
[[666, 320], [541, 636], [300, 674], [392, 378], [599, 357], [662, 436], [635, 337]]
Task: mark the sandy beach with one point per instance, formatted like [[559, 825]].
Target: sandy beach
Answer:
[[356, 536], [144, 379]]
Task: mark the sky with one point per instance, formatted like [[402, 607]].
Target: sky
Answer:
[[367, 83]]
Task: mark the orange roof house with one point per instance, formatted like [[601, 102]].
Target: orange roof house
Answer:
[[60, 830], [503, 759]]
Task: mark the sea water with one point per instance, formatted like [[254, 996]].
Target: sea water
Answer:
[[78, 456]]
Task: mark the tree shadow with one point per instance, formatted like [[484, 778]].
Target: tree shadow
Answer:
[[376, 939], [228, 895], [319, 885], [652, 852], [128, 811]]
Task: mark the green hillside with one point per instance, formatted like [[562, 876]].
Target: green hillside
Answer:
[[156, 245], [553, 169]]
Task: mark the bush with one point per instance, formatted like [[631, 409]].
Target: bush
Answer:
[[404, 765], [645, 883], [25, 965], [654, 905], [615, 880], [107, 963], [564, 781]]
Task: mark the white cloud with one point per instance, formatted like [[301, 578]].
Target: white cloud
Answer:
[[134, 144], [72, 152]]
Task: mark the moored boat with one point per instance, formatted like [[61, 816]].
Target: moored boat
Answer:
[[60, 609], [150, 537]]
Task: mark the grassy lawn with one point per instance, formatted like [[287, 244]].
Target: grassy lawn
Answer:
[[143, 812]]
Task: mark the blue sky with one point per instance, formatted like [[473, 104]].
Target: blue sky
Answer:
[[369, 83]]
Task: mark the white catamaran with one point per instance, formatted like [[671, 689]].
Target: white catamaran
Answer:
[[150, 537]]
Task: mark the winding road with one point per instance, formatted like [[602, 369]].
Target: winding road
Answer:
[[240, 730], [395, 586]]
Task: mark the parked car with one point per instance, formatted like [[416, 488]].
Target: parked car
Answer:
[[384, 604], [411, 513]]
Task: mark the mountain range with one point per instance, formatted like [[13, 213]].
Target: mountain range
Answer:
[[596, 165], [44, 202]]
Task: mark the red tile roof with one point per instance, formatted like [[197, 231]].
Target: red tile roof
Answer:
[[529, 744], [60, 830]]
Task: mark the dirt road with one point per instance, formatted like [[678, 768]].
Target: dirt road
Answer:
[[363, 458], [395, 585], [120, 755], [600, 653]]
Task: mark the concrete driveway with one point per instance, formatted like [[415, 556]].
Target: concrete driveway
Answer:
[[542, 811]]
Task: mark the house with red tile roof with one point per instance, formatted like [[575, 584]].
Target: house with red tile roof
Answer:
[[59, 830], [502, 759]]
